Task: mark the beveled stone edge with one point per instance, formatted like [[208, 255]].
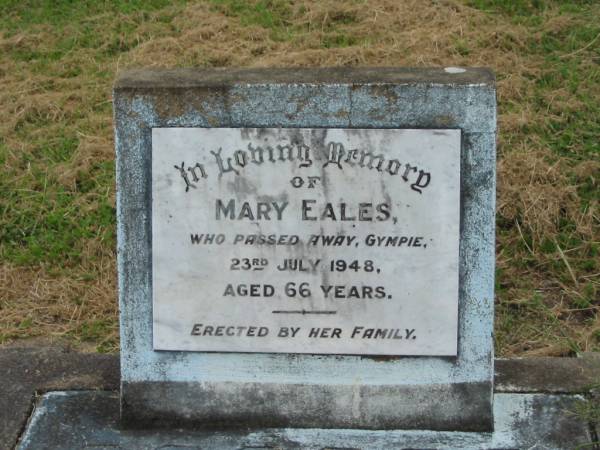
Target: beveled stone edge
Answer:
[[191, 78]]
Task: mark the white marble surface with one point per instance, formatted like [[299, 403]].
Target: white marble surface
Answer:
[[418, 285]]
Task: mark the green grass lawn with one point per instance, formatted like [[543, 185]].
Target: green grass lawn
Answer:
[[58, 60]]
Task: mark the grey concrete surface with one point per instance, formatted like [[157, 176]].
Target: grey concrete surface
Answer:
[[69, 420], [26, 372], [550, 375], [192, 78]]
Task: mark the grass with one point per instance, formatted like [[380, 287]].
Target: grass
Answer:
[[588, 410], [273, 15], [58, 60]]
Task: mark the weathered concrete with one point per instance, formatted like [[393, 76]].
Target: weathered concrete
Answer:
[[261, 405], [551, 375], [28, 371], [68, 420], [329, 98], [215, 78]]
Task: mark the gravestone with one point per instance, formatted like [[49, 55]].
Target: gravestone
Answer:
[[306, 261], [309, 248]]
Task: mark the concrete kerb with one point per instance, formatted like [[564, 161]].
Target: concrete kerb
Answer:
[[26, 372]]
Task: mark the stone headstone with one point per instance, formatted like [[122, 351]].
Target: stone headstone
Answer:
[[307, 247]]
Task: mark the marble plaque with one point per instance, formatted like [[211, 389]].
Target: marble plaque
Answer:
[[327, 241]]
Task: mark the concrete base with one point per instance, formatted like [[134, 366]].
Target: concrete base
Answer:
[[90, 419]]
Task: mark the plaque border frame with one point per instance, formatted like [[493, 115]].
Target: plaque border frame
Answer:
[[455, 219]]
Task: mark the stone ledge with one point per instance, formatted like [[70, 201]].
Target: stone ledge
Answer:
[[550, 375], [66, 420], [25, 371], [194, 78]]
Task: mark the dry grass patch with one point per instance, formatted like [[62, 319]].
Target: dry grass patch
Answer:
[[72, 304], [56, 151]]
